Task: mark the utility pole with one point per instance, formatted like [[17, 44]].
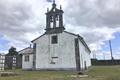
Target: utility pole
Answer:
[[103, 56], [111, 50]]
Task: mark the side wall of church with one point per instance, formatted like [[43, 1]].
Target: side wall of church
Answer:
[[84, 56]]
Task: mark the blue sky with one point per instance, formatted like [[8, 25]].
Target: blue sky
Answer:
[[115, 48], [3, 44]]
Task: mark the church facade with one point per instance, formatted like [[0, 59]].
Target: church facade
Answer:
[[57, 49]]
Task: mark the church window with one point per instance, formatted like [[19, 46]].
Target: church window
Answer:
[[27, 58], [54, 39]]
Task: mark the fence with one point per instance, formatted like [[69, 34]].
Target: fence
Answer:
[[105, 62], [2, 62]]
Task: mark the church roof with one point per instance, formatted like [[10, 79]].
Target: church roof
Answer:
[[27, 50], [38, 37]]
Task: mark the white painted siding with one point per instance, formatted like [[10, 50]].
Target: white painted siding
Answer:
[[27, 64]]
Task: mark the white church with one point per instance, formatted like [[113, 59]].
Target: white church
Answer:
[[56, 49]]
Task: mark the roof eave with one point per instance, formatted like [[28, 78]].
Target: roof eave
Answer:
[[37, 38], [84, 43]]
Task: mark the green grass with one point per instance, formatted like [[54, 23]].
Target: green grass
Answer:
[[105, 72], [95, 73]]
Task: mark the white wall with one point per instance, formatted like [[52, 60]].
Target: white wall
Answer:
[[27, 64], [64, 50], [84, 56]]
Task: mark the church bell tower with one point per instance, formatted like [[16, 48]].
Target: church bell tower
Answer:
[[54, 20]]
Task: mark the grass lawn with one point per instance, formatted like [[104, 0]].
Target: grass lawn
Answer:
[[95, 73]]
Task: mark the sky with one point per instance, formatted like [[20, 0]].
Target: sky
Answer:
[[98, 21]]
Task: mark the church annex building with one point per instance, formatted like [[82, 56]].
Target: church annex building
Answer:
[[56, 49]]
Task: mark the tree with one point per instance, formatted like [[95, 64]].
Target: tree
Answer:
[[12, 51]]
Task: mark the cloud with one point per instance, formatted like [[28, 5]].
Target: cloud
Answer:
[[12, 19], [96, 20], [20, 22], [107, 55], [93, 13]]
